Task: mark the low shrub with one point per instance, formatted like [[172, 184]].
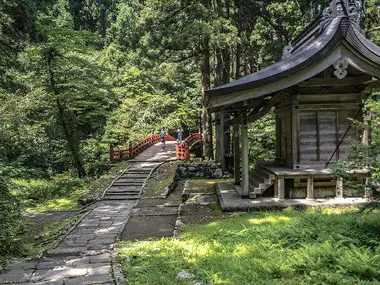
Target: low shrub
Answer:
[[10, 220], [43, 189]]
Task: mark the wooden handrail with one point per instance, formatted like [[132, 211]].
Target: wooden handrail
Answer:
[[183, 149], [132, 151]]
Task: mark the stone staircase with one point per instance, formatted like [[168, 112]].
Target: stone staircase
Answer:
[[129, 185], [260, 179]]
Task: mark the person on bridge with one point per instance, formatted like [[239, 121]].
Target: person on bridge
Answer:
[[163, 137], [179, 135]]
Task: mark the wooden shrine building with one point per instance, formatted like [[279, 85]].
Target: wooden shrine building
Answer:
[[320, 83]]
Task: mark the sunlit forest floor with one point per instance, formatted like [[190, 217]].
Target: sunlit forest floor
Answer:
[[315, 246]]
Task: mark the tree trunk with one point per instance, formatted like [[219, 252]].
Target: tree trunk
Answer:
[[70, 142], [208, 151], [69, 138], [103, 22], [219, 132]]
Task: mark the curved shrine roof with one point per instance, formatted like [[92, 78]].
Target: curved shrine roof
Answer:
[[338, 26]]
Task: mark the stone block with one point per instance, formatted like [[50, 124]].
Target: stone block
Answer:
[[98, 269], [16, 276], [61, 252], [101, 258], [89, 280], [218, 173], [23, 265], [60, 274]]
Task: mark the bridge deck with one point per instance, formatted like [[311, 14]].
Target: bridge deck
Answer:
[[157, 153]]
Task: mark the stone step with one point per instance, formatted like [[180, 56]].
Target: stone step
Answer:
[[133, 175], [128, 184], [123, 193], [120, 197], [139, 171], [124, 188], [132, 180]]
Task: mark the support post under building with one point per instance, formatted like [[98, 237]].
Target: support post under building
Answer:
[[244, 152], [237, 175]]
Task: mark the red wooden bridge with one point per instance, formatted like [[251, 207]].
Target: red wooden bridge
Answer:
[[182, 150]]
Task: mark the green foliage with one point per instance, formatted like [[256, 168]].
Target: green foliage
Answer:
[[292, 247], [31, 191], [10, 214], [365, 157], [262, 138]]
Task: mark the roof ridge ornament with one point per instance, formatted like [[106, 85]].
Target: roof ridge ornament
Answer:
[[287, 51], [342, 8], [341, 67]]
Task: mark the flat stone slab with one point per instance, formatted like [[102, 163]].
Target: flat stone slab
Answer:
[[69, 251], [150, 202], [155, 211], [87, 280], [145, 227], [231, 201], [17, 276]]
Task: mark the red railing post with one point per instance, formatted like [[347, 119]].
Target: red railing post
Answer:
[[130, 151]]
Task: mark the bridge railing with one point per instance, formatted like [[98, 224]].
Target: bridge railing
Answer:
[[183, 149], [132, 151]]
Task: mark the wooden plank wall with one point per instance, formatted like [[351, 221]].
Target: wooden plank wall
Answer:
[[321, 132]]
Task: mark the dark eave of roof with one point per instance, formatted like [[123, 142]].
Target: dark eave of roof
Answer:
[[310, 46], [304, 56]]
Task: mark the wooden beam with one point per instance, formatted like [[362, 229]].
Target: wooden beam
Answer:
[[267, 105], [348, 81]]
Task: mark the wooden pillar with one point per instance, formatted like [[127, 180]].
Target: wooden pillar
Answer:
[[236, 153], [295, 132], [222, 150], [218, 136], [339, 188], [310, 187], [244, 150], [280, 184]]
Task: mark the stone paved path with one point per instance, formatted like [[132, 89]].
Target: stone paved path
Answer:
[[86, 255]]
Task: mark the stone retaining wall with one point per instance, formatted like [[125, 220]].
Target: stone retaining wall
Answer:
[[210, 170]]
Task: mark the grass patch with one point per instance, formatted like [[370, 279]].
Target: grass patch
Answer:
[[316, 246], [41, 235], [161, 178], [66, 203], [60, 193], [98, 186], [36, 237]]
